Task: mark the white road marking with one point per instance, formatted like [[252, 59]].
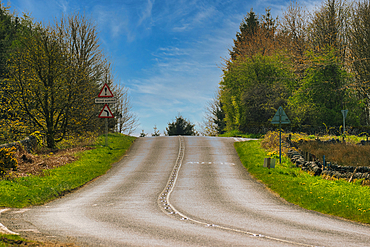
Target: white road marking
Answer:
[[210, 163], [3, 228], [242, 139], [169, 209]]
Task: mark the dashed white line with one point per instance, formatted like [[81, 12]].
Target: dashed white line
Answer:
[[166, 206]]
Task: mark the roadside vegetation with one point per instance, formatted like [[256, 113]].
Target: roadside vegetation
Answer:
[[313, 63], [49, 77], [24, 191], [348, 153], [15, 240], [237, 133], [332, 196]]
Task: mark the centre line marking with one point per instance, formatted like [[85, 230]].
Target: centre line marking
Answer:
[[166, 206]]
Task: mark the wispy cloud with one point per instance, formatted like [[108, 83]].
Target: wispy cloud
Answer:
[[63, 4], [146, 14], [193, 20], [115, 21]]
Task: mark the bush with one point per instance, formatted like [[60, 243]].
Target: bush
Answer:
[[181, 127], [7, 160]]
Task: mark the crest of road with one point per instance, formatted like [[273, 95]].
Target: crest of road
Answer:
[[180, 191]]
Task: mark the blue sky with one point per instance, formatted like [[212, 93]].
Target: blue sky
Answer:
[[167, 52]]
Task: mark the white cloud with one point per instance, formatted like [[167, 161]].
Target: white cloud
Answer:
[[147, 12], [63, 4], [191, 20]]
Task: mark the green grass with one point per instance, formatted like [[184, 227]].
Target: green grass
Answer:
[[37, 190], [15, 240], [236, 133], [339, 198]]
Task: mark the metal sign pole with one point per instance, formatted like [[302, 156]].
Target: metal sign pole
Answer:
[[280, 118], [106, 132], [344, 112], [280, 136]]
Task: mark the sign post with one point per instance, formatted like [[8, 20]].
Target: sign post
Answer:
[[280, 118], [344, 112], [106, 96]]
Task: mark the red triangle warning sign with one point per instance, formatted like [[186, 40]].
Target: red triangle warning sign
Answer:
[[106, 112], [105, 92]]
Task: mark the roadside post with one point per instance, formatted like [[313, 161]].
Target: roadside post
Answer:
[[280, 118], [106, 97], [344, 113]]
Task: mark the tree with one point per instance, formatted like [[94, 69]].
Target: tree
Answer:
[[359, 40], [181, 126], [37, 85], [247, 29], [8, 32], [11, 27], [90, 70], [214, 119], [142, 134], [54, 75], [156, 131], [126, 120], [322, 95], [328, 28], [294, 26], [256, 36], [252, 90]]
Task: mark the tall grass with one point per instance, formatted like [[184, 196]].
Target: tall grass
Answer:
[[339, 153], [347, 154]]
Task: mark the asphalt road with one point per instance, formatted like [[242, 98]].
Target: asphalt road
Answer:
[[181, 191]]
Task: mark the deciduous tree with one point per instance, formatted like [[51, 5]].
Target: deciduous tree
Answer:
[[359, 39]]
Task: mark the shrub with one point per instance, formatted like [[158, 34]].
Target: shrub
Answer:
[[7, 160]]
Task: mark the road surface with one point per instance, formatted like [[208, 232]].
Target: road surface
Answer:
[[180, 191]]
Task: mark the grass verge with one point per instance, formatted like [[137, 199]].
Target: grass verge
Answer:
[[236, 133], [37, 190], [338, 198], [15, 240]]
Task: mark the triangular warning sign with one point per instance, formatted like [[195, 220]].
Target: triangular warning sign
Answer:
[[105, 92], [106, 112], [280, 115]]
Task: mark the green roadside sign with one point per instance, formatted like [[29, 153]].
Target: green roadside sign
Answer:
[[280, 117]]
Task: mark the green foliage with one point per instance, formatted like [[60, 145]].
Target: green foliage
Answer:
[[42, 71], [339, 198], [253, 89], [247, 28], [359, 42], [181, 126], [36, 190], [7, 240], [7, 160], [39, 138], [314, 79], [237, 133], [323, 93]]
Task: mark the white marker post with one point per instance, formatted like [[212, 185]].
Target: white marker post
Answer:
[[106, 113]]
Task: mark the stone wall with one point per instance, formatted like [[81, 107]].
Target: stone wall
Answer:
[[306, 163], [29, 144]]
